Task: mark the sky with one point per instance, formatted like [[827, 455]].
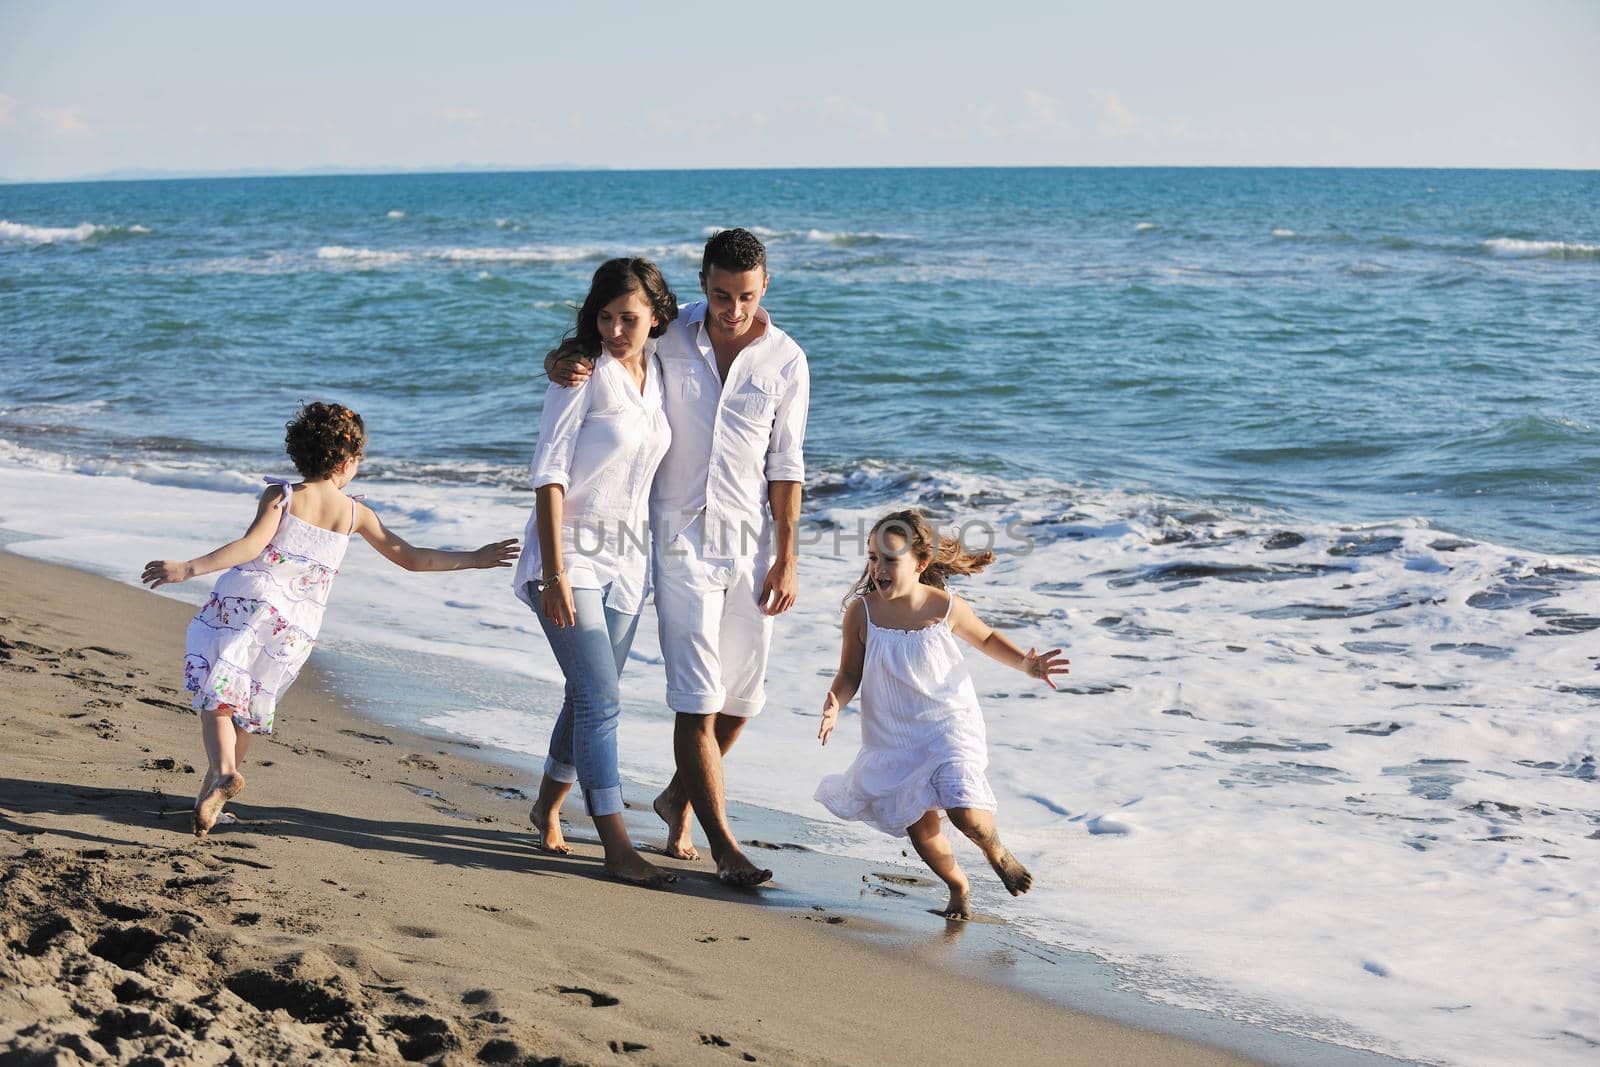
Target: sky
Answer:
[[93, 88]]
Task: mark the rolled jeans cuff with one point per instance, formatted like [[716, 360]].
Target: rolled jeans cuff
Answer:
[[607, 801], [557, 771]]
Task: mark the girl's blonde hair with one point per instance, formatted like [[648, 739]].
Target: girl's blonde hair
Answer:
[[943, 557]]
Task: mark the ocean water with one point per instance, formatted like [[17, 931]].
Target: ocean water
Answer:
[[1301, 467]]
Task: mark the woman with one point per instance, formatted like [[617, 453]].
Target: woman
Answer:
[[583, 570]]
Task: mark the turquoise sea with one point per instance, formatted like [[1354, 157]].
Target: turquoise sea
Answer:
[[1348, 345]]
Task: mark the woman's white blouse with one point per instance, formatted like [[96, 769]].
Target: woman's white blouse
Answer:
[[601, 441]]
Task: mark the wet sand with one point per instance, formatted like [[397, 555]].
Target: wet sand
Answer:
[[381, 899]]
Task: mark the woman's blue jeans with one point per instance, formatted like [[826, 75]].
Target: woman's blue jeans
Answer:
[[583, 745]]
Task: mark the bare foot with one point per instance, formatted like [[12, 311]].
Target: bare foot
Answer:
[[736, 869], [205, 813], [678, 819], [636, 870], [1014, 875], [958, 908], [550, 837]]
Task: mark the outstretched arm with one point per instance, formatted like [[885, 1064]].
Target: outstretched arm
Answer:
[[397, 550], [159, 572], [964, 622], [852, 653]]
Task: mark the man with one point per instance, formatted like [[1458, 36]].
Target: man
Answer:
[[723, 515]]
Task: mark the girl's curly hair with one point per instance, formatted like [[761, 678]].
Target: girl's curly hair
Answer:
[[321, 437]]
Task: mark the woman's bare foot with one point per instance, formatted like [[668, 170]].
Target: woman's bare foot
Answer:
[[735, 868], [636, 870], [1012, 874], [206, 812], [674, 811], [551, 838]]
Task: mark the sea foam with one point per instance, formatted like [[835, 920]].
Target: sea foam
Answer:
[[21, 233], [1514, 248], [1288, 751]]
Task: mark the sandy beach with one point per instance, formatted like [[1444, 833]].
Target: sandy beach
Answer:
[[380, 899]]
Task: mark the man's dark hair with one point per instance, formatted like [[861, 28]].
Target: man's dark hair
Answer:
[[736, 250]]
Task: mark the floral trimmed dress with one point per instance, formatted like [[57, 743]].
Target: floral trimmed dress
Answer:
[[252, 637]]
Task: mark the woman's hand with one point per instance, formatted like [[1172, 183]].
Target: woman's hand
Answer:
[[159, 572], [556, 603], [1044, 665], [830, 717], [496, 554]]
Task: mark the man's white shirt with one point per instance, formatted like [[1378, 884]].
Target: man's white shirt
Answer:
[[729, 439]]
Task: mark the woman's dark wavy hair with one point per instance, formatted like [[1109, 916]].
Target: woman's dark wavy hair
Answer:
[[619, 277], [321, 437]]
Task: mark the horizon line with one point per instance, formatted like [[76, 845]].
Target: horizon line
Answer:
[[379, 170]]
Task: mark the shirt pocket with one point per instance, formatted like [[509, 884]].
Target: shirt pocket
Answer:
[[758, 398]]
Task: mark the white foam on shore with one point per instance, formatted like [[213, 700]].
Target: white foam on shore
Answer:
[[1355, 802]]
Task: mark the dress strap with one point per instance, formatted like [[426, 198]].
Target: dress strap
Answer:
[[949, 606], [288, 490], [354, 500], [867, 608]]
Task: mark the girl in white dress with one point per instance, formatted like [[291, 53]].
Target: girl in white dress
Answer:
[[251, 638], [922, 738]]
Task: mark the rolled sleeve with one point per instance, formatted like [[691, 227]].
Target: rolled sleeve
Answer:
[[564, 409], [786, 452]]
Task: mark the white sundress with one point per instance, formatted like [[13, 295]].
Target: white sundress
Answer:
[[252, 637], [922, 738]]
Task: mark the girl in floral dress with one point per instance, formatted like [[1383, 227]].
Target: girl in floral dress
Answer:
[[251, 638]]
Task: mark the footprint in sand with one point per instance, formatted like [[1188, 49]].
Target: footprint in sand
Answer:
[[590, 997], [421, 932], [376, 739]]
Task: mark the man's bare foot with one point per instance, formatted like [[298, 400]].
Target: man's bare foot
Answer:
[[551, 838], [210, 807], [676, 814], [636, 870], [735, 868], [959, 907], [1014, 875]]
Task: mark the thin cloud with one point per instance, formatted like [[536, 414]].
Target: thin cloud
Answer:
[[1115, 118], [868, 124], [8, 110], [461, 116], [65, 121]]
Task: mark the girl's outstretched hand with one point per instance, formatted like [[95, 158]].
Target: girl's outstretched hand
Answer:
[[497, 554], [830, 717], [159, 572], [1045, 665]]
